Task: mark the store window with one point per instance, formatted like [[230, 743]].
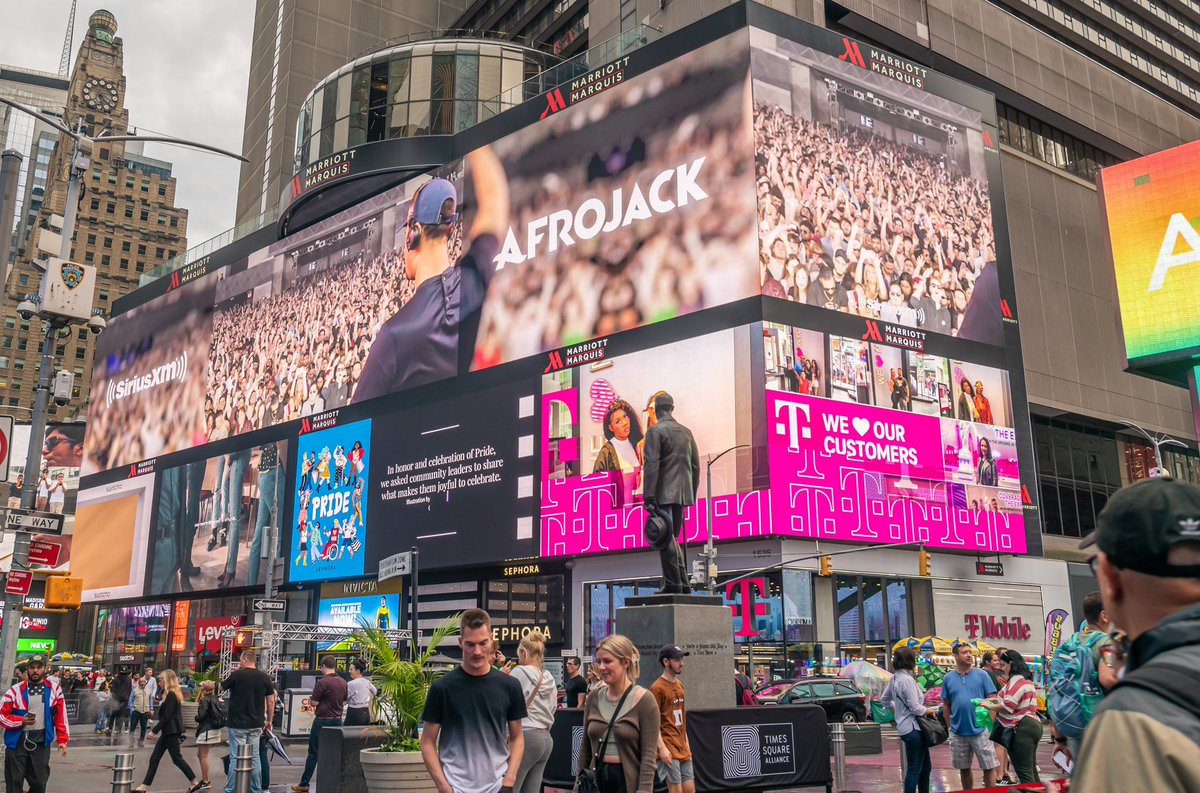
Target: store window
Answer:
[[133, 635], [873, 613], [520, 604]]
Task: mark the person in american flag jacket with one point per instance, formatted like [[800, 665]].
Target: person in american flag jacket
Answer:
[[33, 714]]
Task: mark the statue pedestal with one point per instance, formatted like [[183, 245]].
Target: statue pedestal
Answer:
[[702, 626]]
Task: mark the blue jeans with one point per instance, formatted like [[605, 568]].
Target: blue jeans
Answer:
[[267, 495], [238, 738], [102, 716], [916, 754], [238, 463]]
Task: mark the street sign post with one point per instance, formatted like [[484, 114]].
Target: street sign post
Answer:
[[270, 605], [6, 432], [44, 553], [395, 565], [17, 582], [33, 521]]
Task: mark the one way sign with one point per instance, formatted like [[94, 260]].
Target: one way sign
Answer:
[[33, 522], [270, 605]]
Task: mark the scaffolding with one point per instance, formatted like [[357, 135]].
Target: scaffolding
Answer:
[[274, 635]]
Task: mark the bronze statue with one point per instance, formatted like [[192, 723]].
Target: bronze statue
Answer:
[[671, 475]]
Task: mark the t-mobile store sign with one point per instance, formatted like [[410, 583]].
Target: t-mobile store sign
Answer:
[[983, 626]]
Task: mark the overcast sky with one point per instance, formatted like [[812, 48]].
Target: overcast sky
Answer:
[[186, 67]]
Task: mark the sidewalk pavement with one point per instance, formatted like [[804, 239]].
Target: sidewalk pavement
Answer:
[[87, 768], [880, 773]]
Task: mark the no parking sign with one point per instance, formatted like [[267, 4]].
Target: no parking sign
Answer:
[[6, 430]]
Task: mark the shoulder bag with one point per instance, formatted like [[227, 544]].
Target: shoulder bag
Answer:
[[933, 732], [588, 779]]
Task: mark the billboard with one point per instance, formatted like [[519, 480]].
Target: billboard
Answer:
[[719, 225], [630, 209], [873, 194], [112, 540], [211, 520], [1150, 207], [379, 611]]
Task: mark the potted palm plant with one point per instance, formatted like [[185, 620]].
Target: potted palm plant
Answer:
[[396, 765], [188, 709]]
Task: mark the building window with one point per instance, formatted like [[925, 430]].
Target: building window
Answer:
[[9, 323], [22, 344], [110, 208], [873, 613], [145, 215], [3, 362], [108, 242], [158, 252], [1078, 468], [162, 190], [7, 343], [129, 211], [124, 264], [141, 250], [95, 204], [91, 239], [80, 353], [89, 257], [1050, 145], [174, 222], [125, 246], [23, 280]]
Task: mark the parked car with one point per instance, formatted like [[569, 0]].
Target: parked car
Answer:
[[840, 698]]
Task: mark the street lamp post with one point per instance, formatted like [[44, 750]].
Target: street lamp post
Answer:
[[78, 167], [1157, 441], [710, 552]]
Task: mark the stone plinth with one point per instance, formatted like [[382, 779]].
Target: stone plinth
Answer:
[[701, 625]]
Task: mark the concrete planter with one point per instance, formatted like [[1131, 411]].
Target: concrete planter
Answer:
[[386, 772], [187, 712]]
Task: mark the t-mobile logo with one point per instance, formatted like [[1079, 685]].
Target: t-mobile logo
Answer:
[[788, 423]]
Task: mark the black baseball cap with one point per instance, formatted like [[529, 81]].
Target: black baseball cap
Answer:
[[37, 659], [671, 651], [1142, 522]]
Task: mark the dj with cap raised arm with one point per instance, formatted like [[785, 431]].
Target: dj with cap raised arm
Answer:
[[422, 341]]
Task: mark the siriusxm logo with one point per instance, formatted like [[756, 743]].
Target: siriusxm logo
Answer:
[[166, 373]]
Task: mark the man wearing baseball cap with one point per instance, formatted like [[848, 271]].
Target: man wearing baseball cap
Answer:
[[34, 716], [1145, 552], [674, 753], [432, 336]]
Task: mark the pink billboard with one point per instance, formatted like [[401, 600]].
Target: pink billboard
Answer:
[[848, 472]]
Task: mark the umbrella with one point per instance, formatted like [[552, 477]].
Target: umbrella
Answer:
[[979, 647], [277, 747], [869, 678]]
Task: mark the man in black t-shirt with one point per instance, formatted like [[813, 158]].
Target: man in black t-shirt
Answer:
[[422, 341], [576, 688], [472, 741], [251, 705]]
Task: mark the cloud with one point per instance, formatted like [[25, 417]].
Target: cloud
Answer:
[[186, 69]]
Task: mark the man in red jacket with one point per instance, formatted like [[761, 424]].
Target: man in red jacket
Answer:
[[34, 716]]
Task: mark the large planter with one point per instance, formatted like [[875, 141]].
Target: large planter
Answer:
[[187, 712], [395, 771]]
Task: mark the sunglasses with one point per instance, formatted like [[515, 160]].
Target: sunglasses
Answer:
[[52, 442]]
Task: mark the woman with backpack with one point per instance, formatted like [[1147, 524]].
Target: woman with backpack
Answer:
[[210, 723]]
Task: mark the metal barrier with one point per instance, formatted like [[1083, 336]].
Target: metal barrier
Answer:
[[837, 743], [244, 768], [122, 781]]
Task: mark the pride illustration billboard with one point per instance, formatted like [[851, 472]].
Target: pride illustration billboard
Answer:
[[1151, 207], [330, 530]]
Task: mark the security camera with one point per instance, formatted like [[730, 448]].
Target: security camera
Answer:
[[64, 381], [27, 310], [97, 324]]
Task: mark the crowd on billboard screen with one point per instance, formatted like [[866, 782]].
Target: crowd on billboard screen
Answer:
[[875, 208]]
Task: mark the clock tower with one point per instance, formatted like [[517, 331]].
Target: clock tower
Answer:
[[126, 224]]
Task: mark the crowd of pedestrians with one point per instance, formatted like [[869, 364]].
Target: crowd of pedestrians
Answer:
[[1123, 707]]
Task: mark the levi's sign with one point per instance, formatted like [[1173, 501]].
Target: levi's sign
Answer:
[[33, 522]]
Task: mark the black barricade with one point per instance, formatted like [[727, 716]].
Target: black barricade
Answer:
[[733, 749]]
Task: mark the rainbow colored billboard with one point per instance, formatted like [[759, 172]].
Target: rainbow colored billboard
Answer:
[[1152, 210]]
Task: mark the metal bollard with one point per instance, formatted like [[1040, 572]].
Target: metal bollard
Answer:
[[122, 772], [244, 767], [837, 740]]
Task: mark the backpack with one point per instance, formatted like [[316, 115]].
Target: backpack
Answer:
[[214, 715], [746, 696], [1172, 682], [1074, 684]]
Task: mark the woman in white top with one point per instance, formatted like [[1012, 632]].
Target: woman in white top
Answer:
[[359, 693], [541, 700]]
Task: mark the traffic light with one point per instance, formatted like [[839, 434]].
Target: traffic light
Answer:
[[63, 592], [826, 565], [243, 639], [923, 563]]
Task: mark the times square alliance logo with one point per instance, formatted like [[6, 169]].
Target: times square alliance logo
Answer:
[[755, 750]]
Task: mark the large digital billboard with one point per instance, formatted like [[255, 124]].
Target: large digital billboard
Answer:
[[873, 194], [808, 253], [631, 209], [1151, 206]]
